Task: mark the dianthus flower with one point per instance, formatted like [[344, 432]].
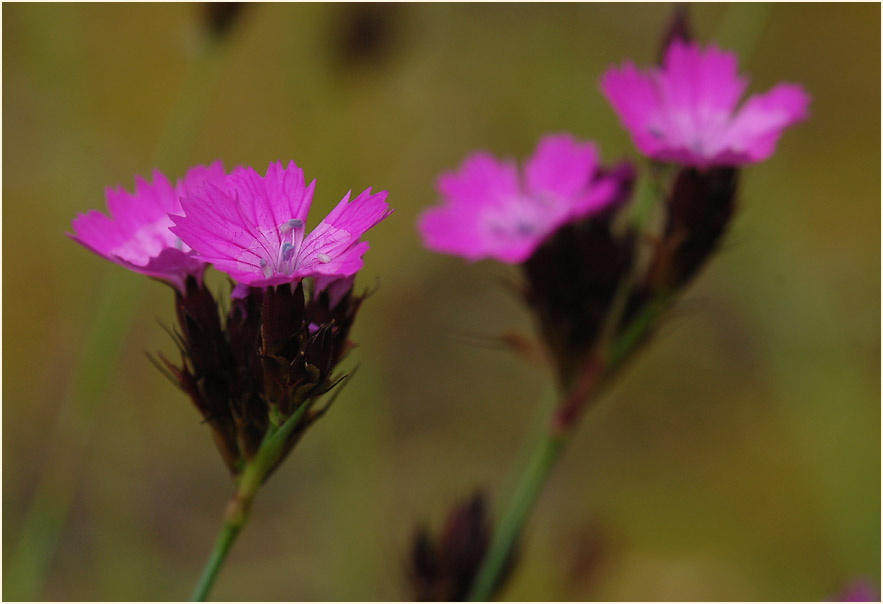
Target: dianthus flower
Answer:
[[253, 227], [136, 234], [489, 210], [686, 111]]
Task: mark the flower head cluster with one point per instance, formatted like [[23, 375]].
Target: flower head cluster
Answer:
[[597, 285], [136, 235], [274, 354], [686, 112], [490, 210], [586, 274]]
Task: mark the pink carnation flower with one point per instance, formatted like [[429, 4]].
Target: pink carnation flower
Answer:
[[254, 227], [489, 210], [136, 234], [686, 112]]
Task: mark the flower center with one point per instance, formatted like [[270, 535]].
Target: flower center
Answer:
[[522, 217], [291, 236]]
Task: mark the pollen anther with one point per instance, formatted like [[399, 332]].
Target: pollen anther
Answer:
[[294, 223]]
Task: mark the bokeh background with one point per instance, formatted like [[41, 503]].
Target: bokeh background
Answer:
[[737, 459]]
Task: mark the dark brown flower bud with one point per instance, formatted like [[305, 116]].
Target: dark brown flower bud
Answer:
[[678, 28], [443, 568], [302, 343], [572, 279], [366, 33], [700, 206], [221, 16], [246, 387], [205, 364], [276, 353]]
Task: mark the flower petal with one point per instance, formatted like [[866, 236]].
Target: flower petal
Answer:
[[482, 179], [635, 99], [759, 124], [136, 235], [333, 247], [485, 213], [684, 112], [561, 166]]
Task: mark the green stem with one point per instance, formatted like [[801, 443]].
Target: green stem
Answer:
[[219, 553], [546, 453], [532, 480], [238, 509]]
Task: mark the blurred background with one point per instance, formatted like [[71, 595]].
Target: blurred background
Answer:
[[737, 459]]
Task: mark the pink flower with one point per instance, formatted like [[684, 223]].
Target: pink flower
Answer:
[[859, 590], [254, 227], [489, 210], [686, 112], [136, 234]]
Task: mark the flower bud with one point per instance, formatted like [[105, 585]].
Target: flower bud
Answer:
[[678, 28], [700, 206], [276, 353], [443, 568], [221, 16], [572, 279], [205, 365]]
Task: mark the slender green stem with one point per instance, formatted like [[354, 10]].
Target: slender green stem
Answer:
[[219, 553], [532, 480], [546, 453], [238, 509]]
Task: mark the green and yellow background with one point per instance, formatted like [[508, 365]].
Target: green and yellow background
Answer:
[[738, 458]]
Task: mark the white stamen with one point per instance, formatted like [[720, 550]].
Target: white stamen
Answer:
[[324, 258], [287, 251], [294, 223]]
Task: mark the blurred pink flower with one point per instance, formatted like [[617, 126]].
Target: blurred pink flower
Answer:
[[859, 590], [489, 210], [253, 227], [136, 235], [686, 112]]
